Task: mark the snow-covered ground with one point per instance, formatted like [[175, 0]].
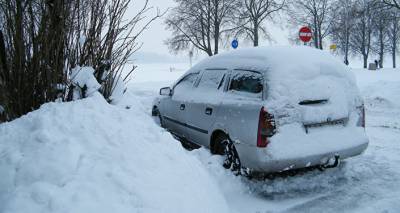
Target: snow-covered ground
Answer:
[[88, 156]]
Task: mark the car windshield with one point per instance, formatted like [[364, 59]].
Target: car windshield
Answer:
[[185, 84]]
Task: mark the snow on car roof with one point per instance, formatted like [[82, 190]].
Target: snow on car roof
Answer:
[[298, 59]]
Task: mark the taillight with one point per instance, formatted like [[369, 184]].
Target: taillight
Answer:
[[361, 116], [266, 128]]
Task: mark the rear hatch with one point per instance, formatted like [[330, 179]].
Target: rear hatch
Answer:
[[314, 104], [316, 113]]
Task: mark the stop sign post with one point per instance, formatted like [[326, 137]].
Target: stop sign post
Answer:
[[305, 34]]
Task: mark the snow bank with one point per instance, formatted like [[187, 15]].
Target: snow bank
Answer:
[[88, 156], [377, 97]]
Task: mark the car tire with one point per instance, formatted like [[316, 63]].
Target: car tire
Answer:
[[224, 146], [154, 111], [161, 120]]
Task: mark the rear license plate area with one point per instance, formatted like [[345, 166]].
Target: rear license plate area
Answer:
[[339, 122]]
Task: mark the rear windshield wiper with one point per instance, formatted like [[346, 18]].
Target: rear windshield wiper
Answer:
[[312, 102]]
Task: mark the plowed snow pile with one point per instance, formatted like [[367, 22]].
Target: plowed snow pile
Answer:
[[88, 156]]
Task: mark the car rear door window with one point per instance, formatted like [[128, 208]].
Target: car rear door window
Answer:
[[247, 82], [212, 79]]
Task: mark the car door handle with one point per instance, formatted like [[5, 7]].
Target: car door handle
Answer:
[[182, 107], [209, 111]]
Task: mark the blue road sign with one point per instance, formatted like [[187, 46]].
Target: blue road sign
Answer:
[[235, 44]]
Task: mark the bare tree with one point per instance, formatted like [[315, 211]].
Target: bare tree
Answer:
[[103, 39], [361, 39], [253, 16], [199, 24], [392, 3], [381, 22], [31, 65], [343, 26], [315, 14], [394, 34]]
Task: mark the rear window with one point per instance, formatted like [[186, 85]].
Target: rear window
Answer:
[[212, 79], [246, 81]]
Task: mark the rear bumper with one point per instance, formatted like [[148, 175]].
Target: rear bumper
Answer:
[[296, 154], [279, 165]]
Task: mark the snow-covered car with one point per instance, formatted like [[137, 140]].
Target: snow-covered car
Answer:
[[269, 109]]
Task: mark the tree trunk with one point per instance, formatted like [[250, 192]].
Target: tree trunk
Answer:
[[3, 59], [346, 49], [3, 70], [365, 59], [381, 48], [346, 58], [394, 42], [394, 58], [19, 55], [256, 35], [315, 37], [216, 28], [216, 41], [320, 39], [209, 52]]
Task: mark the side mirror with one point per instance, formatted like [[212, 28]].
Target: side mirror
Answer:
[[166, 91]]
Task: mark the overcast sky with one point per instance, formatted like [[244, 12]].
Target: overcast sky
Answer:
[[153, 38]]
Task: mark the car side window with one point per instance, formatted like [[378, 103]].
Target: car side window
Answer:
[[247, 82], [212, 79], [185, 83]]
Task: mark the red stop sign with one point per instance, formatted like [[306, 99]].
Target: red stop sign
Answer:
[[305, 34]]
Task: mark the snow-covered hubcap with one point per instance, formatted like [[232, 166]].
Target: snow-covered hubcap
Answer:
[[232, 160]]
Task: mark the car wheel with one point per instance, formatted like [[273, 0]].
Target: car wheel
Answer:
[[154, 111], [225, 147], [161, 120]]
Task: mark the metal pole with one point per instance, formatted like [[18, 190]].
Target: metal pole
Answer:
[[190, 57]]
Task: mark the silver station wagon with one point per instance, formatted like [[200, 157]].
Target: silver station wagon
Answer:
[[268, 109]]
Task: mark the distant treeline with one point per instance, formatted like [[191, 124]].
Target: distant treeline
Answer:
[[357, 27]]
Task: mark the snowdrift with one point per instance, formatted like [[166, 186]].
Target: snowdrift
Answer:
[[88, 156], [386, 99]]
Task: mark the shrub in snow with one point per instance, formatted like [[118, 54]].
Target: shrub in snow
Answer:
[[84, 84], [2, 114], [119, 88], [90, 156]]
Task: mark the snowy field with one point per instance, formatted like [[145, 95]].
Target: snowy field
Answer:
[[368, 183], [88, 156]]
